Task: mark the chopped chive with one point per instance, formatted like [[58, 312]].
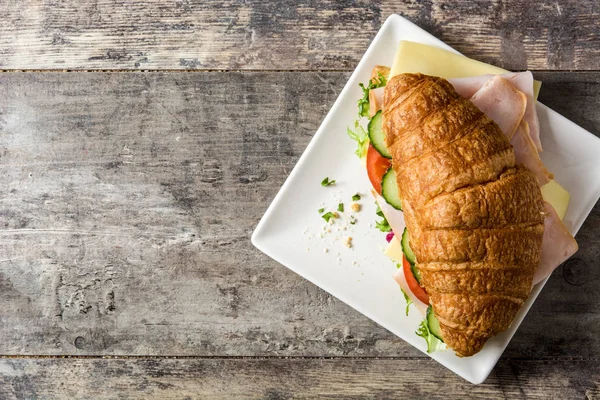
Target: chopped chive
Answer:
[[327, 182], [356, 197], [327, 216], [321, 210], [341, 207]]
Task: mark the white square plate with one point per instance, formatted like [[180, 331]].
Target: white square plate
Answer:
[[291, 229]]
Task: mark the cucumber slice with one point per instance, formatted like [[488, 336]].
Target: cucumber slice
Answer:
[[410, 256], [416, 273], [405, 241], [433, 324], [377, 136], [389, 190]]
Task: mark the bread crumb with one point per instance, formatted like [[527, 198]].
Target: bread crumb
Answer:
[[355, 207], [325, 250], [348, 242]]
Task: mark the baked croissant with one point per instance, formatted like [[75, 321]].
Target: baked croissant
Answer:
[[475, 218]]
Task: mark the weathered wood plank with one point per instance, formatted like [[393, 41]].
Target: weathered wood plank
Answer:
[[227, 34], [127, 201], [274, 378]]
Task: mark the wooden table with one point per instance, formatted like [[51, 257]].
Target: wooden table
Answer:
[[141, 142]]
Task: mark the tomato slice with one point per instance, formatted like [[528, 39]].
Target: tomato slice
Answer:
[[413, 285], [377, 166]]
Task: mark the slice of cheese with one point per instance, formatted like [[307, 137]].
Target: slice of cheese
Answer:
[[557, 196], [413, 57], [394, 250]]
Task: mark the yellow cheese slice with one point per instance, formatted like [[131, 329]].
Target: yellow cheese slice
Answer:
[[557, 196], [413, 57], [394, 250]]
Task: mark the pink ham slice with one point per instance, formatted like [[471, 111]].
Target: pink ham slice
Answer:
[[557, 245], [504, 104], [467, 87], [522, 81], [401, 279], [375, 100], [394, 217], [526, 153]]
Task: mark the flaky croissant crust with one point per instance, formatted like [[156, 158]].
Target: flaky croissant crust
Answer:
[[475, 219]]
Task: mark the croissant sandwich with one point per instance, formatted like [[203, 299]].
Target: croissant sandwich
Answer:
[[475, 218], [456, 171]]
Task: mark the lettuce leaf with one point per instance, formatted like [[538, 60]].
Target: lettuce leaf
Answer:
[[433, 343], [383, 225], [363, 103], [362, 138], [408, 299], [359, 133]]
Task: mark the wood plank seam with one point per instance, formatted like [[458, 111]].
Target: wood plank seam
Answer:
[[367, 358], [118, 70]]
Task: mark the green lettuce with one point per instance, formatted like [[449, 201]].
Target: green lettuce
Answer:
[[408, 300], [363, 103], [359, 133], [362, 138], [383, 225], [433, 343]]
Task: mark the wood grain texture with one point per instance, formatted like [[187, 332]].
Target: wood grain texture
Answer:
[[127, 201], [274, 378], [290, 35]]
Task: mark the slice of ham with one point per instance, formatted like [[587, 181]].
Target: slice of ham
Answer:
[[394, 217], [557, 245], [526, 153], [506, 106], [522, 81], [375, 100], [502, 102], [401, 279]]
